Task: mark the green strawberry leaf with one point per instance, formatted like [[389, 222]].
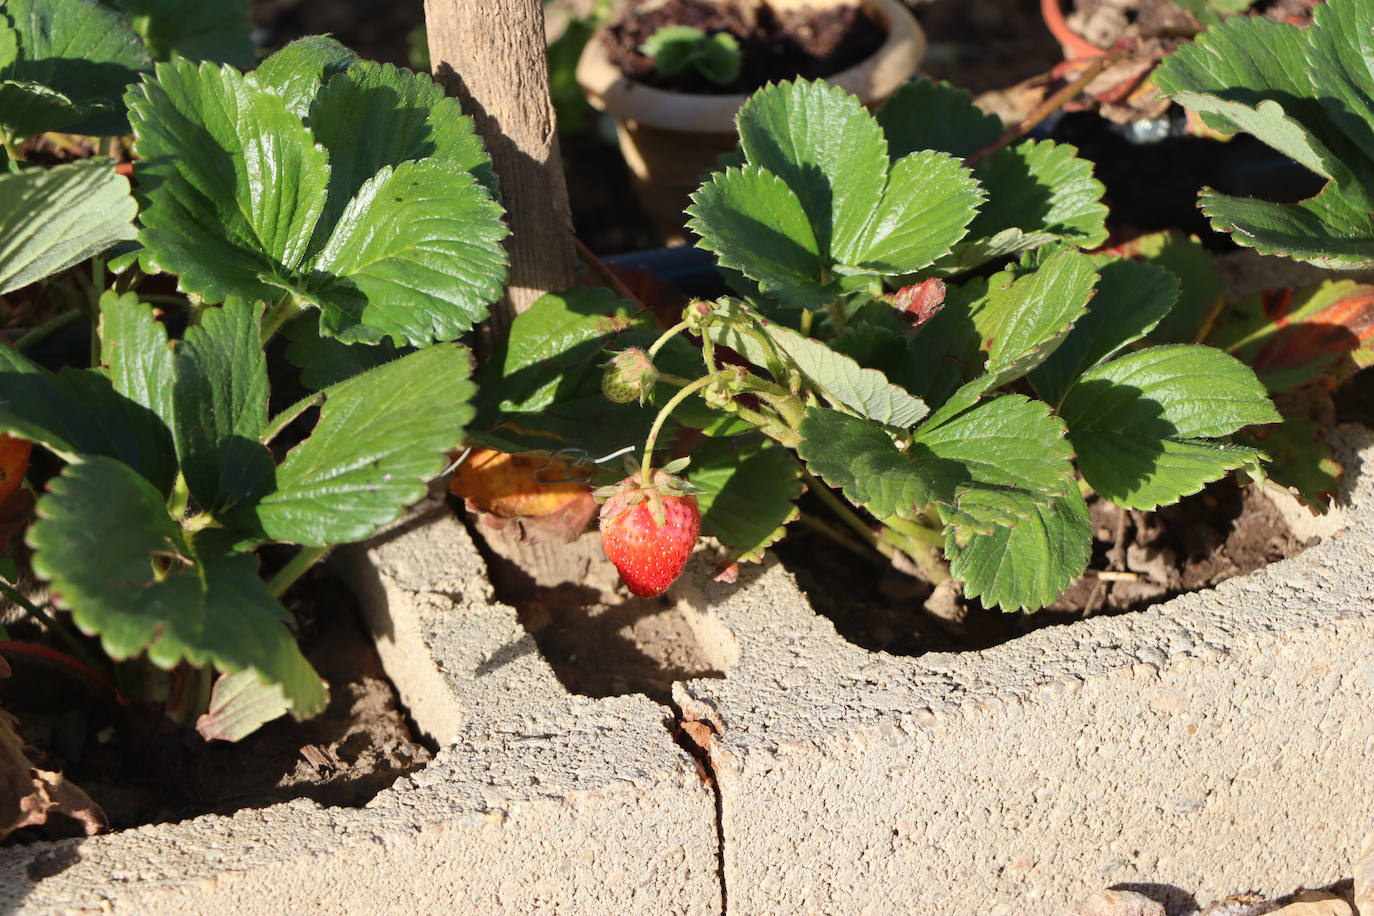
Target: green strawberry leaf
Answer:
[[231, 184], [218, 32], [1022, 322], [416, 257], [1300, 459], [235, 188], [866, 465], [298, 71], [240, 704], [101, 538], [1009, 443], [381, 436], [1293, 338], [755, 224], [924, 114], [1131, 300], [51, 219], [1038, 192], [541, 387], [1139, 423], [746, 491], [827, 149], [927, 206], [375, 115], [78, 413], [1027, 566], [1307, 94], [325, 361], [221, 408], [136, 355], [1201, 291], [74, 58]]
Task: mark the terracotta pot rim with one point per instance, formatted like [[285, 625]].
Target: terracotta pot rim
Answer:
[[871, 80]]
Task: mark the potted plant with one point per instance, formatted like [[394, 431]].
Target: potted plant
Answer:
[[671, 138]]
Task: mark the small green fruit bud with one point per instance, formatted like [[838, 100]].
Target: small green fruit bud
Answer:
[[629, 376]]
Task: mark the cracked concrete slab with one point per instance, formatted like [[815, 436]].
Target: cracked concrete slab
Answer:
[[539, 801], [1213, 738]]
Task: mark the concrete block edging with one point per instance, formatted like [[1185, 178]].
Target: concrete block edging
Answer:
[[1211, 743]]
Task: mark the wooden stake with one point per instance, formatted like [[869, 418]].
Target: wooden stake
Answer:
[[489, 54]]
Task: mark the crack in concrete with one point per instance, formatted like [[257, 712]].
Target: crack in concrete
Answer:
[[695, 736]]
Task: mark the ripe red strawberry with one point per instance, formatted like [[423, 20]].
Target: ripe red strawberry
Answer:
[[648, 532]]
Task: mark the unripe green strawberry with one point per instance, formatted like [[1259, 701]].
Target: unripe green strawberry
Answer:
[[629, 376], [649, 532]]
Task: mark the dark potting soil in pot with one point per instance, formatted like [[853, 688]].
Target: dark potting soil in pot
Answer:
[[775, 44], [142, 769]]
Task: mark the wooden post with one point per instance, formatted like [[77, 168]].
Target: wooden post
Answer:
[[489, 54]]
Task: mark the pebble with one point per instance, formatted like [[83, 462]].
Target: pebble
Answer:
[[1116, 903]]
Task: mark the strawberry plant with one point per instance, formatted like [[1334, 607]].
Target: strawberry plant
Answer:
[[915, 335], [1306, 93], [339, 207]]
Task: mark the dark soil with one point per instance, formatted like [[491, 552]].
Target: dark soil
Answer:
[[774, 44], [142, 769], [1139, 559], [982, 45]]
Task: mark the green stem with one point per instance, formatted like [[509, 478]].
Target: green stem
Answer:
[[839, 537], [93, 303], [305, 558], [11, 148], [915, 530], [645, 471], [666, 336], [47, 329], [47, 620], [837, 315], [807, 317], [278, 315], [836, 505]]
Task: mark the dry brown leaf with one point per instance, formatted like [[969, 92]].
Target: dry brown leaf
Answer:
[[551, 498], [28, 795]]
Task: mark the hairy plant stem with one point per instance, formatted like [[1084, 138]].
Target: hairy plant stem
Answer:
[[837, 315], [278, 315], [867, 551], [47, 621], [807, 318], [47, 329], [296, 567], [646, 474], [665, 337], [838, 506]]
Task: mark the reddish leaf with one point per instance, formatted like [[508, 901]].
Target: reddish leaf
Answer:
[[1292, 338], [920, 301]]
